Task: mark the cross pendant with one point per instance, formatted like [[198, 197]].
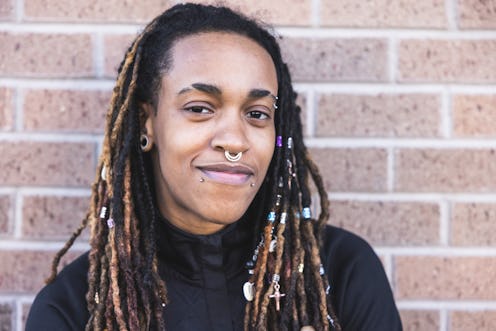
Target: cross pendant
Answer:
[[277, 296]]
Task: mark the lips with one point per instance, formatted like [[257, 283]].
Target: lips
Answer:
[[227, 174]]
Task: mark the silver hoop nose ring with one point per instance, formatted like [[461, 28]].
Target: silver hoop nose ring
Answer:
[[233, 157]]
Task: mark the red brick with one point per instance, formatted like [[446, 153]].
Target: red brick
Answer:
[[46, 55], [473, 224], [384, 115], [420, 320], [278, 12], [467, 61], [25, 313], [6, 109], [26, 271], [6, 207], [384, 13], [53, 217], [57, 164], [473, 320], [309, 59], [477, 14], [6, 317], [301, 101], [389, 223], [445, 170], [325, 59], [7, 12], [94, 10], [354, 169], [65, 110], [445, 278], [289, 12], [115, 47], [474, 115]]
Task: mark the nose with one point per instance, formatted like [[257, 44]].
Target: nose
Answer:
[[230, 134]]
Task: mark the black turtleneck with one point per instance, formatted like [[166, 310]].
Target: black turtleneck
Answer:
[[205, 275]]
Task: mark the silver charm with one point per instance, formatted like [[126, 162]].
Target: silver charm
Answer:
[[103, 212], [277, 295], [283, 218], [272, 246]]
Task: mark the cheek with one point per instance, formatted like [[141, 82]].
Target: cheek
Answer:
[[265, 147], [172, 150]]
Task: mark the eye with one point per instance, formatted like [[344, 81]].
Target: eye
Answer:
[[198, 110], [259, 115]]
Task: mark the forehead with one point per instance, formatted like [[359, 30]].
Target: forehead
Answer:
[[221, 58]]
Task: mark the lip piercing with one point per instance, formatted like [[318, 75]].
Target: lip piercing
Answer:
[[233, 157], [202, 179]]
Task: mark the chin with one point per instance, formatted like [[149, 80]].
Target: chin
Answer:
[[226, 219], [225, 210]]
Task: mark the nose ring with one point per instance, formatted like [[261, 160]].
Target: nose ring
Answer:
[[233, 157]]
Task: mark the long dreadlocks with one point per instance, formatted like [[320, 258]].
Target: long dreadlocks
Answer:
[[125, 290]]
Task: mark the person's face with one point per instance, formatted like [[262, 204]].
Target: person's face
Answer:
[[217, 96]]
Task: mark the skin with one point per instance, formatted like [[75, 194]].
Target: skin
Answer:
[[218, 95]]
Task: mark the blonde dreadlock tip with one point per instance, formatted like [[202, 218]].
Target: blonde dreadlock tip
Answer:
[[307, 328]]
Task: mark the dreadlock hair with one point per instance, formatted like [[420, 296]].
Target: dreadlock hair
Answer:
[[125, 290]]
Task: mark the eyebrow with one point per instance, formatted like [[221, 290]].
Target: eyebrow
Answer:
[[260, 93], [212, 89], [207, 88]]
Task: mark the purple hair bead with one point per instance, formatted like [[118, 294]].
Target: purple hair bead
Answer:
[[279, 141]]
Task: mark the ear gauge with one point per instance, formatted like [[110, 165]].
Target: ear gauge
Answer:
[[145, 143]]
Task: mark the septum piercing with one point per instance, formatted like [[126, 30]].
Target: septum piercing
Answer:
[[233, 157]]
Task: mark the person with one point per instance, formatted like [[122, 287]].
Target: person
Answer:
[[200, 212]]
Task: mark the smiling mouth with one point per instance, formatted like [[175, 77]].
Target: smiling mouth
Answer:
[[226, 174]]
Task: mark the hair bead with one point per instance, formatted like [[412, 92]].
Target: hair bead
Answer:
[[103, 212], [110, 223], [306, 213]]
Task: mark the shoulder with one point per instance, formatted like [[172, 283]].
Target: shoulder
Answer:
[[347, 244], [360, 289], [61, 305], [344, 250]]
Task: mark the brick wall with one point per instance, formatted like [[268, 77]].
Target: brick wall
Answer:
[[399, 101]]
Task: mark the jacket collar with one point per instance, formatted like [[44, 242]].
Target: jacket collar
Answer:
[[187, 256]]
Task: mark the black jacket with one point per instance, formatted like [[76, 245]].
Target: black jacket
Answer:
[[205, 276]]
